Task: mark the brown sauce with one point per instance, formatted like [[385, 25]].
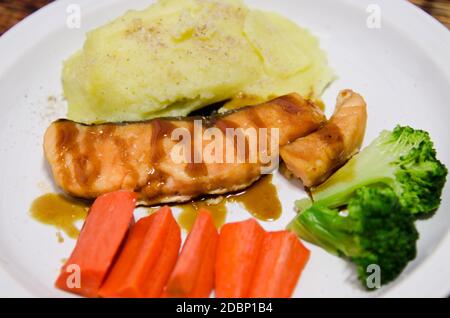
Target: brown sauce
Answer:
[[59, 211], [195, 169], [59, 237], [223, 124], [161, 129], [260, 200], [190, 210], [288, 104], [256, 120], [67, 135]]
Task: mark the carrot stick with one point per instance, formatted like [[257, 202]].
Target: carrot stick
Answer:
[[160, 273], [102, 234], [205, 281], [237, 254], [127, 256], [147, 259], [193, 275], [281, 261]]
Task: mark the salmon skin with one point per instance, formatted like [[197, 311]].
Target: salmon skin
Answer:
[[88, 161]]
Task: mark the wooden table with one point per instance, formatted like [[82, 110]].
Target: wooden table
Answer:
[[12, 11], [440, 9]]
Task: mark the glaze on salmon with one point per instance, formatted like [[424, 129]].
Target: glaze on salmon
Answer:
[[87, 161]]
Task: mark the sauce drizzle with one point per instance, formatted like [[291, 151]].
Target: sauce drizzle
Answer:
[[190, 210], [59, 211], [260, 200]]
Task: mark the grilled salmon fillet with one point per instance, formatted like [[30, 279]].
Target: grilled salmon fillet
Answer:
[[87, 161], [315, 157]]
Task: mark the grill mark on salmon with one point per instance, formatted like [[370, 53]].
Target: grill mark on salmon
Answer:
[[87, 161]]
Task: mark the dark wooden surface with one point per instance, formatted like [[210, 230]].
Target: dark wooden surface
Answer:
[[440, 9], [12, 11]]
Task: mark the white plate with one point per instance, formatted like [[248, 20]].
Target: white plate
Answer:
[[402, 69]]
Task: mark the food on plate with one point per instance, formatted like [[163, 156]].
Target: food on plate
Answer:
[[366, 210], [193, 275], [88, 161], [243, 261], [103, 232], [147, 259], [315, 157], [189, 211], [260, 200], [60, 211], [403, 159], [237, 254], [126, 143], [253, 263], [281, 260], [376, 231], [178, 56]]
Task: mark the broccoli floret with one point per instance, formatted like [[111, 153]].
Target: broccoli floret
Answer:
[[403, 159], [376, 229], [383, 189]]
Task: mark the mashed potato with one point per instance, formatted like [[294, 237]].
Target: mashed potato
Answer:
[[178, 56]]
